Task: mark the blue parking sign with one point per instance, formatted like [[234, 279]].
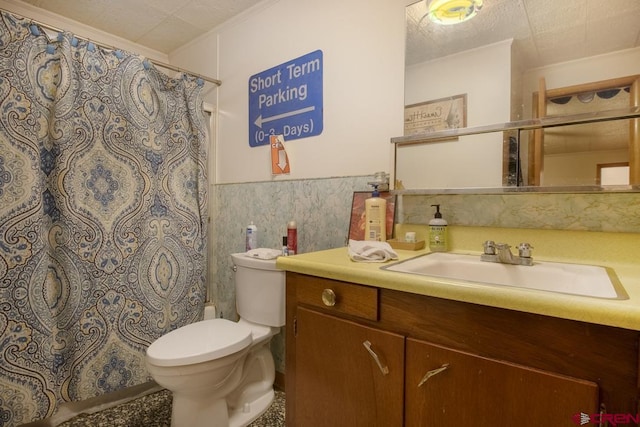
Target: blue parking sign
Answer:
[[286, 100]]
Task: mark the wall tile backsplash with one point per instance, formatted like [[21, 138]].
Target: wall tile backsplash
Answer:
[[322, 208], [612, 212]]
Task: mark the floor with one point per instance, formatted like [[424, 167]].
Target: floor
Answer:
[[154, 410]]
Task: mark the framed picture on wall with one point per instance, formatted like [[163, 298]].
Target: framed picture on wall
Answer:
[[436, 115], [357, 223]]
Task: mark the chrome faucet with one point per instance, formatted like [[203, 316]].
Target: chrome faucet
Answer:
[[501, 252]]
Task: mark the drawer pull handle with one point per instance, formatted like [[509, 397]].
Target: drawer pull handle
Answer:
[[329, 297], [383, 369], [432, 373]]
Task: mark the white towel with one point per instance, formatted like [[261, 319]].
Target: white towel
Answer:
[[263, 253], [366, 251]]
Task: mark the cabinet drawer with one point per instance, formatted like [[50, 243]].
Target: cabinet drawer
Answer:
[[338, 297]]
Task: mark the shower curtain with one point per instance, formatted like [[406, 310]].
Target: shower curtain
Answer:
[[102, 217]]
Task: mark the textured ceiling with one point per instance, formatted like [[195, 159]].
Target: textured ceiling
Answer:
[[162, 25], [545, 31]]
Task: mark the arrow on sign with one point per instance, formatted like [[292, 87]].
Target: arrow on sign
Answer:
[[282, 159], [259, 121]]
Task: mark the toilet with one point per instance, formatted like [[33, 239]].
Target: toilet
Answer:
[[221, 372]]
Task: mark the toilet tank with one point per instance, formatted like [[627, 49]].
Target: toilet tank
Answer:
[[260, 290]]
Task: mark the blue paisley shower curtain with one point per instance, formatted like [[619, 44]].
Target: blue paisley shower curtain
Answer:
[[102, 217]]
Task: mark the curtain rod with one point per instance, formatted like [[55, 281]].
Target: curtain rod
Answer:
[[109, 47]]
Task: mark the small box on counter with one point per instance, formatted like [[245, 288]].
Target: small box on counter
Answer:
[[410, 246]]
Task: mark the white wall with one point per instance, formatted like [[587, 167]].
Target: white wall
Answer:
[[363, 54], [484, 74], [578, 168]]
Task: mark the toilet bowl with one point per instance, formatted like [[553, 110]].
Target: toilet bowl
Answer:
[[221, 372]]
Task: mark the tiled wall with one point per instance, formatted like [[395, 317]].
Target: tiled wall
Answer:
[[612, 212], [322, 209]]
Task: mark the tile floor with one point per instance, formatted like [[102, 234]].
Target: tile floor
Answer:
[[154, 410]]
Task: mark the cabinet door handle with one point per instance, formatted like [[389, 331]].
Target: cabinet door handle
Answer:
[[432, 373], [329, 297], [384, 369]]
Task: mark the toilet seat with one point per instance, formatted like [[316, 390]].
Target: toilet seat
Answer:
[[199, 342]]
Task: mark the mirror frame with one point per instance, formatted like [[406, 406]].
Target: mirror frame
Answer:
[[518, 126]]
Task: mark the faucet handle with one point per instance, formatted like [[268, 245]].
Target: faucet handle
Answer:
[[489, 247], [524, 250]]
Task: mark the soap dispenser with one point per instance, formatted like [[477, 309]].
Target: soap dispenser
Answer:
[[375, 209], [437, 232]]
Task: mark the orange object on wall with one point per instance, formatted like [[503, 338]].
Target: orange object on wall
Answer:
[[279, 158]]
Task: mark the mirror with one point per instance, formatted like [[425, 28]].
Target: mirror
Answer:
[[566, 169], [512, 63]]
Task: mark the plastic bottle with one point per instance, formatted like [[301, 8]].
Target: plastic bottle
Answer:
[[285, 248], [437, 232], [292, 237], [375, 210], [252, 237]]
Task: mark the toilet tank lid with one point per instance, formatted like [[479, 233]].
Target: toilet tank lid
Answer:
[[199, 342], [242, 260]]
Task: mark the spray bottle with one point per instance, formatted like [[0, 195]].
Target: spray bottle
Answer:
[[292, 238]]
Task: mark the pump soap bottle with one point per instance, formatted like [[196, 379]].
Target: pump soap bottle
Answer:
[[437, 232], [375, 209]]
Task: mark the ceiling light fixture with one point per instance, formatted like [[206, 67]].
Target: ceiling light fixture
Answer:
[[448, 12]]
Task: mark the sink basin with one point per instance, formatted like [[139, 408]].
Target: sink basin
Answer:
[[576, 279]]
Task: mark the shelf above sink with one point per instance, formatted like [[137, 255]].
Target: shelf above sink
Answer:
[[565, 278]]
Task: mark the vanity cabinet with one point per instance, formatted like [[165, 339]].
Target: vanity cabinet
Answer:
[[445, 387], [338, 381], [359, 355]]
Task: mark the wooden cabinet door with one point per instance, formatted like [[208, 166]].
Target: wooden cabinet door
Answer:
[[338, 381], [476, 391]]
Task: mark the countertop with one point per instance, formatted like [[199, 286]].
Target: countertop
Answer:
[[618, 251]]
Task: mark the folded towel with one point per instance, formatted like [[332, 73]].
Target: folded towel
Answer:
[[366, 251], [263, 253]]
